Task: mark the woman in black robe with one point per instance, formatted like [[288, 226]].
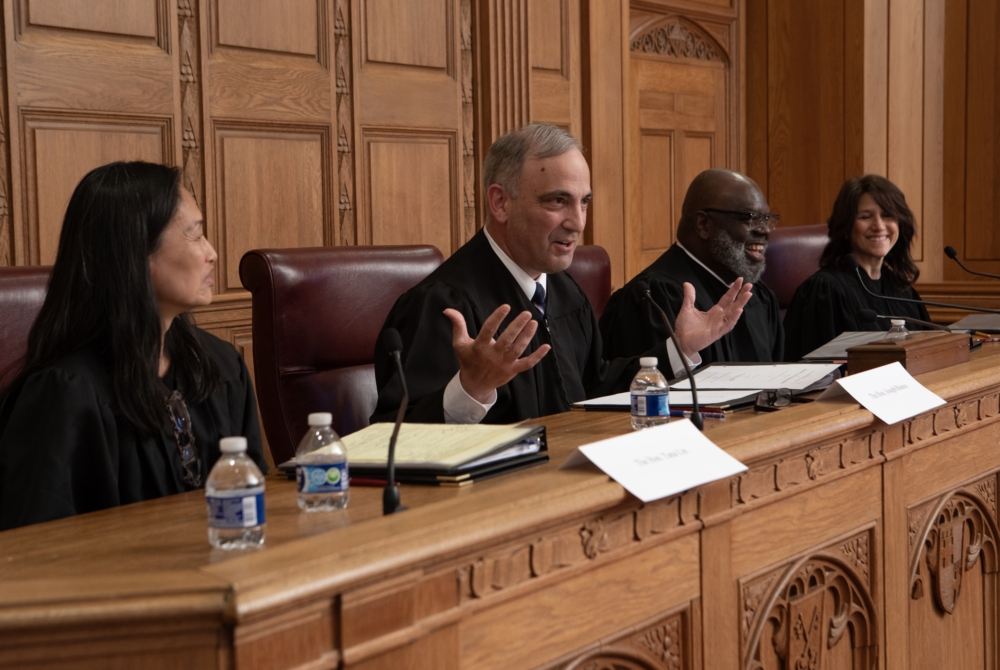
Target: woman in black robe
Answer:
[[120, 398], [872, 222]]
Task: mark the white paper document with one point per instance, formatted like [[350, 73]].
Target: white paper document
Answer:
[[889, 392], [794, 376], [678, 398], [659, 462]]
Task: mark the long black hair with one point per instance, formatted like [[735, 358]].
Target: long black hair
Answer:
[[898, 266], [101, 295]]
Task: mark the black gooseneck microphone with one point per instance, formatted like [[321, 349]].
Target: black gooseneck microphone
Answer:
[[852, 263], [953, 255], [695, 414], [869, 316], [390, 494]]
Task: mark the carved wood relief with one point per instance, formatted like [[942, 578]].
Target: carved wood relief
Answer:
[[345, 124], [765, 480], [950, 418], [675, 37], [512, 565], [808, 607], [191, 127], [662, 643], [470, 224], [6, 230], [948, 538]]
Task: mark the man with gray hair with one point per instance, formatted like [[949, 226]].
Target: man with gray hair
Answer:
[[466, 326], [721, 238]]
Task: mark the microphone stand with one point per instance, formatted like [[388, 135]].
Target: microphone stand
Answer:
[[953, 255], [695, 414], [857, 270], [390, 494]]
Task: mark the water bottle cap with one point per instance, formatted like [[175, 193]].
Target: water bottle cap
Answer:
[[648, 361], [898, 322], [233, 445], [320, 419]]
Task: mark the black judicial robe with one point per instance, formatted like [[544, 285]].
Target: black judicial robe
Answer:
[[66, 448], [629, 323], [475, 282], [827, 304]]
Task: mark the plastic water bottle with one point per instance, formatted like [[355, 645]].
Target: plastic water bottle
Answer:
[[235, 495], [321, 467], [898, 330], [650, 396]]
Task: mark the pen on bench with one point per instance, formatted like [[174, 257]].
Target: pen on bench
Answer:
[[686, 414]]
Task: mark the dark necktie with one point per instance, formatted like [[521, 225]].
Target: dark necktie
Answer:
[[538, 300]]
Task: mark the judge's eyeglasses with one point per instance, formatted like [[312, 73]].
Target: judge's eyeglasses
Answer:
[[754, 220], [180, 421]]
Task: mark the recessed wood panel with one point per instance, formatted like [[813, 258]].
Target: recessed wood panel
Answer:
[[135, 18], [697, 157], [60, 151], [271, 193], [657, 191], [415, 32], [284, 26], [410, 188], [546, 27]]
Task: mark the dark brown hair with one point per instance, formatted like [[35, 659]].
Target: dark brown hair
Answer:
[[898, 266]]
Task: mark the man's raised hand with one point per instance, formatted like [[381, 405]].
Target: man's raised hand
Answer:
[[696, 330], [487, 363]]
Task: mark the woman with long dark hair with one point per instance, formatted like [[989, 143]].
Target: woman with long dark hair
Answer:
[[872, 222], [121, 398]]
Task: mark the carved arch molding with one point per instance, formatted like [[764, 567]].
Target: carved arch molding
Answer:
[[809, 607], [948, 537], [673, 36]]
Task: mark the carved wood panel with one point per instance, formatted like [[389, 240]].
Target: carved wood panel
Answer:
[[417, 33], [296, 27], [797, 615], [681, 122], [127, 21], [663, 643], [554, 58], [60, 148]]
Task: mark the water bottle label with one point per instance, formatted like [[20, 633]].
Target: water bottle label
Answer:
[[325, 478], [236, 509], [651, 405]]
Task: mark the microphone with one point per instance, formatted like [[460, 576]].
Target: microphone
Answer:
[[869, 316], [852, 264], [695, 414], [390, 495], [953, 255]]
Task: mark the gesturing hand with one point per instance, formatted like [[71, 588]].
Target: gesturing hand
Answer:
[[696, 330], [487, 363]]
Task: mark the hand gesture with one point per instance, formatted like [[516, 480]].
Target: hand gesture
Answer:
[[487, 363], [696, 330]]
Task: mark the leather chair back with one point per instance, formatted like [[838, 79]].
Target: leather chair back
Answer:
[[591, 268], [22, 292], [792, 257], [317, 313]]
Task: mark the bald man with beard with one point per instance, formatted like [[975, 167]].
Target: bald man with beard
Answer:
[[721, 237]]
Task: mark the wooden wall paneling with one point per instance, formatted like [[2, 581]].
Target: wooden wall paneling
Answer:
[[554, 54], [59, 148], [505, 66], [189, 101], [6, 228], [412, 188], [604, 48], [274, 184], [424, 66], [292, 26], [954, 122], [906, 108], [876, 87], [470, 159], [135, 21], [756, 64], [344, 122], [932, 267]]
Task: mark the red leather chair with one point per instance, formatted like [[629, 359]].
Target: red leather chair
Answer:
[[316, 316], [591, 268], [792, 257], [22, 292]]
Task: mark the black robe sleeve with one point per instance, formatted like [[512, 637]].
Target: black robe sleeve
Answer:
[[820, 310], [58, 452]]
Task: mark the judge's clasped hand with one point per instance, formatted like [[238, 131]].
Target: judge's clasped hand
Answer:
[[487, 364], [696, 330]]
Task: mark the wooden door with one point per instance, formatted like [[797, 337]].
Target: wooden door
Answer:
[[681, 121]]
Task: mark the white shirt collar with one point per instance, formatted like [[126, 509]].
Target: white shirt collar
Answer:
[[702, 264], [522, 278]]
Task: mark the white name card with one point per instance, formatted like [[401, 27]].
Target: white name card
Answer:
[[659, 462], [889, 392]]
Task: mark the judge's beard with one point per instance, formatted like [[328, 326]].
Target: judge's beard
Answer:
[[731, 253]]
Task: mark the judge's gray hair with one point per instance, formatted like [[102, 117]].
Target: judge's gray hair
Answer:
[[506, 158]]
